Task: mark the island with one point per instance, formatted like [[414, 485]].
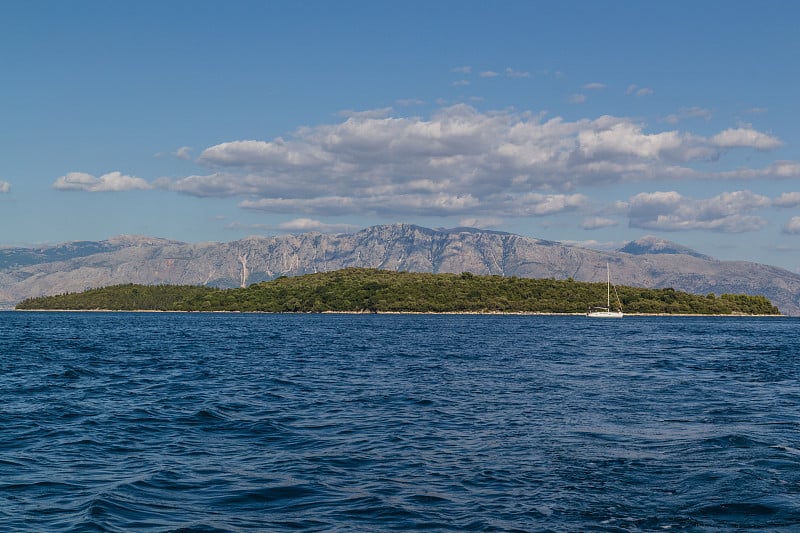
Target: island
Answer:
[[366, 290]]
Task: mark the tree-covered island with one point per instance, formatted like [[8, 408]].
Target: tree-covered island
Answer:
[[382, 291]]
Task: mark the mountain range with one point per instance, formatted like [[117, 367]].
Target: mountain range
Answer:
[[648, 262]]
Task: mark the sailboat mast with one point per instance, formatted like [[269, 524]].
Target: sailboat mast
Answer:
[[608, 287]]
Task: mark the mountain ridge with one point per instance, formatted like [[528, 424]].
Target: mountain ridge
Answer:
[[652, 263]]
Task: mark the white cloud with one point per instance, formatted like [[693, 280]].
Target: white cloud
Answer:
[[792, 227], [483, 223], [635, 90], [594, 86], [577, 99], [489, 74], [785, 169], [688, 113], [787, 199], [728, 212], [299, 225], [382, 112], [462, 70], [512, 73], [461, 83], [598, 223], [405, 102], [111, 182], [5, 187], [184, 153], [307, 224], [458, 162], [745, 138]]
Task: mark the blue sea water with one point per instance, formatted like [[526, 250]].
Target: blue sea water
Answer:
[[259, 422]]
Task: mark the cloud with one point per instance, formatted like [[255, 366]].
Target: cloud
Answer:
[[787, 199], [746, 137], [512, 73], [635, 90], [184, 153], [462, 70], [594, 86], [482, 223], [298, 225], [728, 212], [5, 187], [370, 113], [111, 182], [410, 102], [577, 99], [458, 162], [688, 113], [488, 74], [598, 223], [307, 224], [792, 227], [776, 170], [461, 83]]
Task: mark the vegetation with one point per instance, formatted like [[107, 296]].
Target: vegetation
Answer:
[[370, 290]]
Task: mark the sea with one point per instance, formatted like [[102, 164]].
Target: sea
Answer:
[[326, 422]]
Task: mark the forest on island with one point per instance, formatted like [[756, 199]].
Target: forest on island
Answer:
[[383, 291]]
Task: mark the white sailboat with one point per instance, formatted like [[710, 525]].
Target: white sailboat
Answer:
[[606, 312]]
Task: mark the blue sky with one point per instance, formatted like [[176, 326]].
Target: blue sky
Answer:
[[586, 122]]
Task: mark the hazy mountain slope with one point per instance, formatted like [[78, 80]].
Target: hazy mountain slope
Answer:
[[653, 263]]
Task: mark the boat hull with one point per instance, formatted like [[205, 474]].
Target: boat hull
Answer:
[[605, 314]]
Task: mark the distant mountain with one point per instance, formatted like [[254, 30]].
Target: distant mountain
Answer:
[[654, 245], [648, 262]]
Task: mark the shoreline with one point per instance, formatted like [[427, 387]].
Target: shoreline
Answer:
[[477, 313]]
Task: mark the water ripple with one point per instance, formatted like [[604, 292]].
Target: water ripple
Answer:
[[193, 422]]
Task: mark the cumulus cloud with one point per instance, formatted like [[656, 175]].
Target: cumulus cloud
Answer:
[[792, 227], [745, 137], [482, 223], [184, 153], [5, 187], [577, 99], [458, 162], [111, 182], [787, 199], [489, 74], [594, 86], [729, 212]]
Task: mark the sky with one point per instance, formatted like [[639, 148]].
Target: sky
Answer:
[[590, 123]]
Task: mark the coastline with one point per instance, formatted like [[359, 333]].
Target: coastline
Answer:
[[476, 313]]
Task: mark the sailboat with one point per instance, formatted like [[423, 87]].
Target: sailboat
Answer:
[[606, 312]]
